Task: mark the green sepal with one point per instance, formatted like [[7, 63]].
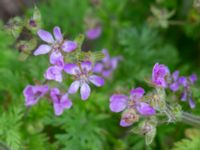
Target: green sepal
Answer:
[[35, 22], [26, 48], [176, 111], [149, 137], [92, 56], [15, 26], [79, 40], [161, 16]]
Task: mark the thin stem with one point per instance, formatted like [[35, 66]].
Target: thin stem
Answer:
[[176, 22], [192, 116], [190, 119]]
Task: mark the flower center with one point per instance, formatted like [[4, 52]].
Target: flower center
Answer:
[[131, 103], [56, 45], [82, 75], [131, 117], [37, 95]]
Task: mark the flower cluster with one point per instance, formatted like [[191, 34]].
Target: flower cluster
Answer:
[[154, 103], [81, 72], [133, 106], [107, 65], [161, 77], [184, 83]]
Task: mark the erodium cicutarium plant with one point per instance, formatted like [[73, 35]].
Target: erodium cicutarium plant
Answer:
[[141, 109], [73, 71]]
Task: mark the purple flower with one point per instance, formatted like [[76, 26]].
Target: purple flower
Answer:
[[159, 75], [55, 43], [107, 65], [93, 33], [54, 73], [183, 81], [174, 86], [83, 76], [193, 78], [186, 83], [60, 102], [120, 102], [34, 93]]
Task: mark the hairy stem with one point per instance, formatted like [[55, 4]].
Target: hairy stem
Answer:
[[190, 119]]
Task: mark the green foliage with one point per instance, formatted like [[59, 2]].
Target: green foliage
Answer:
[[10, 128], [37, 141], [190, 143], [64, 14], [83, 128], [147, 43], [187, 144]]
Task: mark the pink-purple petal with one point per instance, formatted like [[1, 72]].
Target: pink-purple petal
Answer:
[[174, 86], [57, 34], [123, 123], [74, 87], [118, 102], [55, 93], [85, 91], [58, 110], [72, 69], [106, 59], [96, 80], [193, 78], [69, 46], [137, 93], [106, 73], [192, 103], [42, 49], [86, 66], [65, 101], [145, 109], [45, 36], [175, 75], [93, 33], [54, 73], [57, 59], [98, 68], [183, 81], [184, 96]]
